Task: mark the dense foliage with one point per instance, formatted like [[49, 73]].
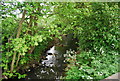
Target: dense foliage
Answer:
[[88, 65], [95, 25], [98, 42]]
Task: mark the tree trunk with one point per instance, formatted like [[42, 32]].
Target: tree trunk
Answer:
[[17, 36], [35, 24], [31, 49], [18, 59]]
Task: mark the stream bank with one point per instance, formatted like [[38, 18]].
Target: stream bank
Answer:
[[54, 69]]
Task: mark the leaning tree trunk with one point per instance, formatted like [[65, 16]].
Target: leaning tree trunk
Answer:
[[17, 36], [29, 25]]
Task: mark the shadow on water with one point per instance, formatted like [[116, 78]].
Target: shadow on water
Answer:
[[52, 67]]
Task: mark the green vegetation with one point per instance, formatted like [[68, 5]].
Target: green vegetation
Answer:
[[88, 65], [98, 43], [95, 25]]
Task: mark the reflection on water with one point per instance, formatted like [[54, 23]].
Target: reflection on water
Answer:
[[52, 67], [50, 58]]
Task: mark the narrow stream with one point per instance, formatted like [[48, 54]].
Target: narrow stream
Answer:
[[52, 67]]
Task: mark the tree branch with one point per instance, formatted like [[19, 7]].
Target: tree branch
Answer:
[[17, 36]]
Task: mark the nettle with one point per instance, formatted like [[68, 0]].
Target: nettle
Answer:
[[97, 30], [95, 25], [87, 65], [29, 29]]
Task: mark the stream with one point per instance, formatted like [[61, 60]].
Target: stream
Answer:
[[53, 65]]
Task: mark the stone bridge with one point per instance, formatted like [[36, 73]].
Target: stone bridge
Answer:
[[114, 77]]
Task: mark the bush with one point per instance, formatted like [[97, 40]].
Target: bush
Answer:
[[91, 66]]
